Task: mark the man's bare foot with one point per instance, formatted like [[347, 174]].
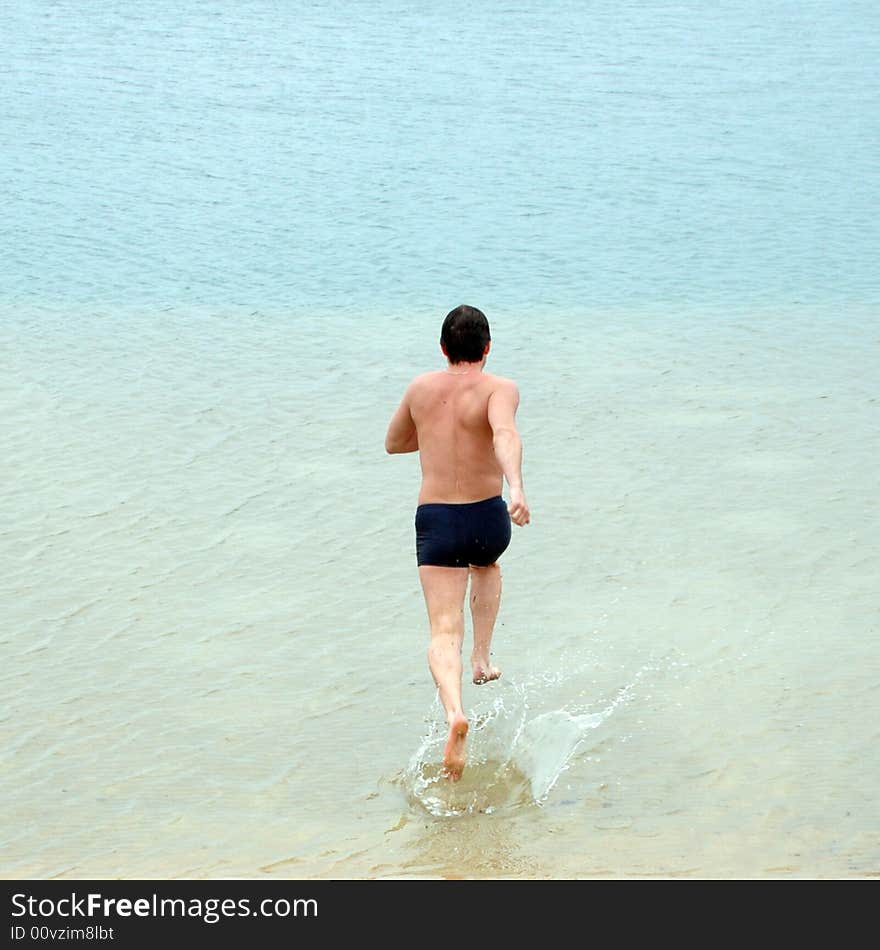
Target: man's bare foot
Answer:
[[454, 754], [485, 673]]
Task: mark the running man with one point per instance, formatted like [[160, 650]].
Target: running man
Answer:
[[461, 421]]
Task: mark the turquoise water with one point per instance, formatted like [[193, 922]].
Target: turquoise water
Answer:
[[231, 234], [381, 155]]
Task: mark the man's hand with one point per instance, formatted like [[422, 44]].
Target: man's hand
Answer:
[[517, 507]]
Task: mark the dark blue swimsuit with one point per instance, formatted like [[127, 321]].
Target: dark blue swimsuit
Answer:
[[476, 533]]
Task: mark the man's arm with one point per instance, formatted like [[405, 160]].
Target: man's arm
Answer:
[[507, 444], [401, 435]]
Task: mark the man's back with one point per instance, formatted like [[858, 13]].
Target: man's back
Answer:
[[453, 414]]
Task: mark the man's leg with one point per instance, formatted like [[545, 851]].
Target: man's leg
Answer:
[[485, 600], [444, 589]]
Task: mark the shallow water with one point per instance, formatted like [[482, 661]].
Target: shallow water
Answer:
[[236, 232]]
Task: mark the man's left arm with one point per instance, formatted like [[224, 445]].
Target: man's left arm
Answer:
[[402, 435]]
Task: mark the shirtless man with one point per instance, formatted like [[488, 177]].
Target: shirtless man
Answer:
[[461, 422]]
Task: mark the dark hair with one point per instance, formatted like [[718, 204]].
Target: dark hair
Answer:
[[465, 334]]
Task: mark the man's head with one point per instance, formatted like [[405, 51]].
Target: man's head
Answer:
[[465, 335]]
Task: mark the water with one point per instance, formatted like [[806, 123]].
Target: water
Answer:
[[231, 234]]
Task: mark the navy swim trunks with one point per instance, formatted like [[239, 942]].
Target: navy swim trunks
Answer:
[[476, 532]]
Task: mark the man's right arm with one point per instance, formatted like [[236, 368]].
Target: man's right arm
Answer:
[[507, 445]]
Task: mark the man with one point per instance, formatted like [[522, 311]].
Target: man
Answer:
[[461, 421]]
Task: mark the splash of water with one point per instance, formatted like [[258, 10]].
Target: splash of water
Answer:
[[515, 755]]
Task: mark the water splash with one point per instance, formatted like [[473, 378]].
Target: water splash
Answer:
[[515, 754]]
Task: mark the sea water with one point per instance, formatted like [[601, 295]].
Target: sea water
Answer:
[[231, 232]]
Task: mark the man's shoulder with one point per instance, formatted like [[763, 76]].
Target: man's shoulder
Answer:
[[423, 383], [429, 378], [433, 379], [502, 383]]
